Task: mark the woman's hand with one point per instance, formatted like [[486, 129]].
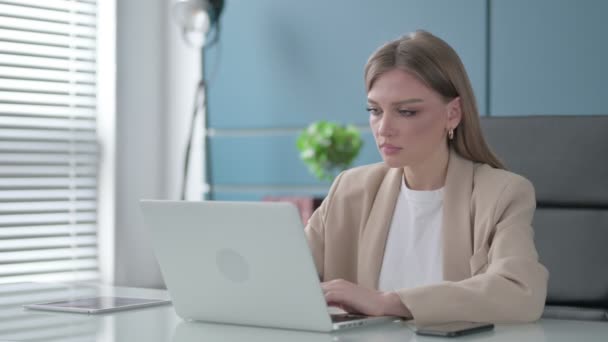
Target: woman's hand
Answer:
[[356, 299]]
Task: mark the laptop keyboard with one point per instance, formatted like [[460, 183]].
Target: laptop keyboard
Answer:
[[339, 318]]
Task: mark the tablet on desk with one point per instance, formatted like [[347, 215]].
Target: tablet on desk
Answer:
[[94, 305]]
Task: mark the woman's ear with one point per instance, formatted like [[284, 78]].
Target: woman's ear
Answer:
[[454, 108]]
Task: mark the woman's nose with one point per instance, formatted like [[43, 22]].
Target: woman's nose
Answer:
[[385, 126]]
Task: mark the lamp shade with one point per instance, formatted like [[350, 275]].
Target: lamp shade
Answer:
[[193, 17]]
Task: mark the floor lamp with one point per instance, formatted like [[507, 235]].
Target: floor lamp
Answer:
[[197, 19]]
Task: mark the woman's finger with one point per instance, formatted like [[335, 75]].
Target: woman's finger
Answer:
[[333, 297]]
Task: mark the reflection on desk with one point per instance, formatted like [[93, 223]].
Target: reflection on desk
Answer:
[[18, 324], [161, 324], [198, 331], [545, 330], [201, 331]]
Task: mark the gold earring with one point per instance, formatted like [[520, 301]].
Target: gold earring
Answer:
[[451, 134]]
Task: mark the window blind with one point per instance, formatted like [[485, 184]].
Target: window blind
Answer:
[[48, 142]]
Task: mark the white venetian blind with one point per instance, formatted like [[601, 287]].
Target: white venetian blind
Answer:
[[48, 141]]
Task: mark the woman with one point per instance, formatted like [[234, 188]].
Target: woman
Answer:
[[439, 231]]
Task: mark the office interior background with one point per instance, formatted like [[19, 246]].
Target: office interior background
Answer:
[[278, 66]]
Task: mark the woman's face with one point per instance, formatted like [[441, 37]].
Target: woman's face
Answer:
[[408, 119]]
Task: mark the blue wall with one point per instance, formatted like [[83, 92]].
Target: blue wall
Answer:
[[283, 64], [549, 57]]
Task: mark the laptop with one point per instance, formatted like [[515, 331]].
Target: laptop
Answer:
[[244, 263]]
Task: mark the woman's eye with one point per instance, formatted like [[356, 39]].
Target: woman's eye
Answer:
[[373, 111], [404, 112]]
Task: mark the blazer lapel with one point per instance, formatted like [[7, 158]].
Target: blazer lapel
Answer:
[[372, 239], [457, 229]]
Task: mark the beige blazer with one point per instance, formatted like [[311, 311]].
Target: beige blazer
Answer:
[[491, 270]]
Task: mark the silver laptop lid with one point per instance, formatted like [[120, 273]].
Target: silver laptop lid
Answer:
[[237, 262]]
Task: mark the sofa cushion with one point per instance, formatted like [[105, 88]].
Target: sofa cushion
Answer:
[[565, 157]]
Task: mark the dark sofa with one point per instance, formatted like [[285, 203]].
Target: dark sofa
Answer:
[[566, 158]]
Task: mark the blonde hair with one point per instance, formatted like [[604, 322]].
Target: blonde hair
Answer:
[[436, 64]]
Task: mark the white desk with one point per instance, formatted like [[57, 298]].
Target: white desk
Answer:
[[162, 324]]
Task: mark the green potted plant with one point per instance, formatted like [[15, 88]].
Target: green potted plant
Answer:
[[328, 148]]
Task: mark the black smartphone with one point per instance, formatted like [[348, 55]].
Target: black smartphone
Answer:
[[454, 329]]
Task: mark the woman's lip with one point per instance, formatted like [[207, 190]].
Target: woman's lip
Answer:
[[388, 146], [389, 149]]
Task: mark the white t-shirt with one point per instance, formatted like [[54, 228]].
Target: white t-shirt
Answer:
[[413, 253]]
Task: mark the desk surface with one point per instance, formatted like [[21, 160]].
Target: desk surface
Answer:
[[162, 324]]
